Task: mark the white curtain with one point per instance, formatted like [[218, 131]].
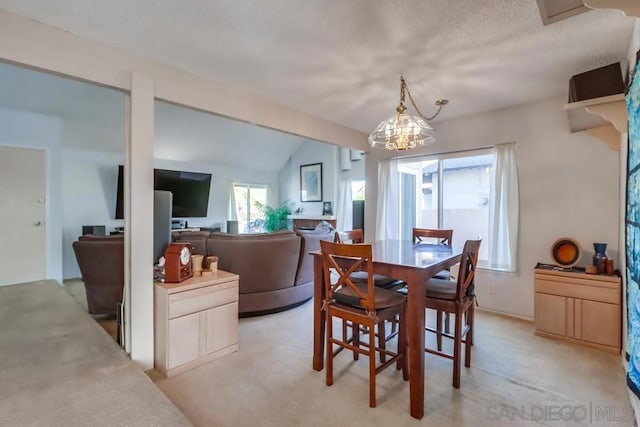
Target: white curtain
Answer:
[[504, 211], [344, 208], [388, 207], [232, 215]]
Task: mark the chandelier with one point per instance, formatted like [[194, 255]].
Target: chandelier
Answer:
[[404, 131]]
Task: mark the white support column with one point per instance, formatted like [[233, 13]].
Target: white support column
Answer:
[[139, 220]]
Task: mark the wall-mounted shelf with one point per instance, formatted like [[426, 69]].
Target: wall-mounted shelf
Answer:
[[604, 118]]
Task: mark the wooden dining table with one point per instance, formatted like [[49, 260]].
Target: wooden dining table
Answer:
[[412, 263]]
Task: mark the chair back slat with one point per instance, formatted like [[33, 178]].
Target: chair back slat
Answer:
[[468, 264], [443, 237], [353, 236], [342, 260]]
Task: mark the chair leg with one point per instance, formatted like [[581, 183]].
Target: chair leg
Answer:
[[468, 343], [470, 333], [329, 350], [382, 340], [394, 325], [372, 366], [457, 344], [344, 331], [447, 321], [355, 330], [439, 330], [403, 362]]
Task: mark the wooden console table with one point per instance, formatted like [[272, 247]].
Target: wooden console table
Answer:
[[196, 321], [310, 221], [581, 308]]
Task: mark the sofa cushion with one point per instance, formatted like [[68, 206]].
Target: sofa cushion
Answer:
[[190, 234], [264, 262], [198, 240], [95, 238], [101, 262], [251, 236], [310, 242]]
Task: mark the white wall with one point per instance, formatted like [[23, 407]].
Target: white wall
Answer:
[[23, 129], [221, 179], [89, 186], [568, 187], [311, 152], [89, 180]]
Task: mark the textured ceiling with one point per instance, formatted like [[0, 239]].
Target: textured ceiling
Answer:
[[341, 59]]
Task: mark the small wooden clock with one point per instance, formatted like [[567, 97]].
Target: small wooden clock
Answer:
[[177, 262]]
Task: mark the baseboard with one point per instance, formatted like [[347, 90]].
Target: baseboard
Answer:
[[504, 313]]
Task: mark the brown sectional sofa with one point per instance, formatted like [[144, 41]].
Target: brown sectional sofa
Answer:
[[101, 262], [276, 270]]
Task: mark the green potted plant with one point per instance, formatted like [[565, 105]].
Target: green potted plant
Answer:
[[275, 219]]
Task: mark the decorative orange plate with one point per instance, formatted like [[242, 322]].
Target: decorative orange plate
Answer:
[[566, 252]]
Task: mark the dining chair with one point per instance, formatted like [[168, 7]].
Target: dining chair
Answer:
[[442, 237], [379, 281], [362, 304], [459, 301], [439, 237]]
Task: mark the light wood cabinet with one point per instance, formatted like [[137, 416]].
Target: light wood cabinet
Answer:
[[577, 307], [196, 321]]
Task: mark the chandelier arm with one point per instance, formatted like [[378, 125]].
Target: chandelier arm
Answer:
[[418, 110]]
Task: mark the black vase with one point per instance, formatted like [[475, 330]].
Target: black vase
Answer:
[[600, 249]]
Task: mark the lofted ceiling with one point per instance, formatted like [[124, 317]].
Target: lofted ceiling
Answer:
[[341, 59], [92, 118]]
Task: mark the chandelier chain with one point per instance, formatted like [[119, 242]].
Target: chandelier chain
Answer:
[[440, 105]]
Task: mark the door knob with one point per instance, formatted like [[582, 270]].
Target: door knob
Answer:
[[37, 223]]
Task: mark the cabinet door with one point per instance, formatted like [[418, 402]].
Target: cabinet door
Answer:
[[221, 327], [598, 322], [551, 314], [184, 339]]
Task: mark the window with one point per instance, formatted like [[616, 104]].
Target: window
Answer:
[[249, 216], [357, 189], [448, 192]]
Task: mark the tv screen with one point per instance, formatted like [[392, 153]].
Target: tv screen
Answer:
[[190, 191]]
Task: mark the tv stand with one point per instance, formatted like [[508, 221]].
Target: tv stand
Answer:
[[179, 224], [302, 222]]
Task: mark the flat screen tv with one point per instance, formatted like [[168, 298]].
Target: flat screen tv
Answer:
[[190, 191]]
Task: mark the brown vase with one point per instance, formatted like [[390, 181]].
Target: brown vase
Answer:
[[196, 264]]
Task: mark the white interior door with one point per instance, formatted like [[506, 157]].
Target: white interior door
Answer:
[[22, 215]]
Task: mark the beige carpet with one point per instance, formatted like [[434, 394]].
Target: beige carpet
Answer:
[[516, 378], [59, 368]]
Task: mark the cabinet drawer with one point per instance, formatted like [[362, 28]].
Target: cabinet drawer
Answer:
[[575, 290], [192, 301]]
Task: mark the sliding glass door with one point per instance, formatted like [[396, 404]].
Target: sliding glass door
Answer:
[[248, 212], [453, 193]]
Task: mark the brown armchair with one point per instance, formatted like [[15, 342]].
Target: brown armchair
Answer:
[[101, 262]]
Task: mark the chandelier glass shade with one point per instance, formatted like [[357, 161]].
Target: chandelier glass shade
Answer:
[[403, 131]]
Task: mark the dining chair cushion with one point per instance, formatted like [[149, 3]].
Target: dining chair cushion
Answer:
[[441, 289], [443, 275], [383, 297], [379, 281]]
